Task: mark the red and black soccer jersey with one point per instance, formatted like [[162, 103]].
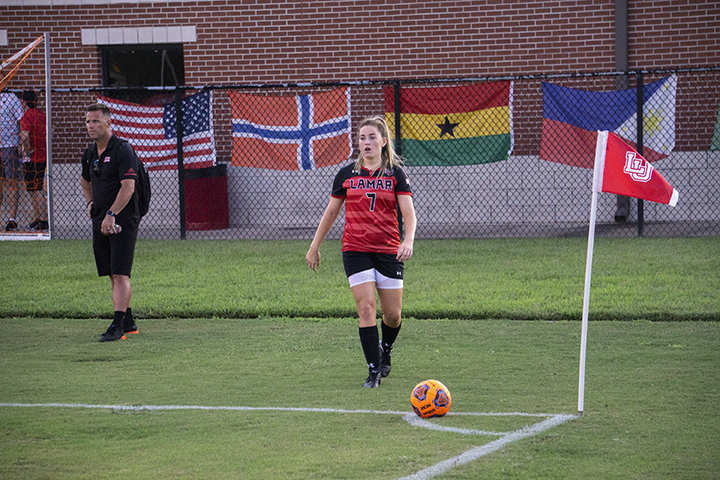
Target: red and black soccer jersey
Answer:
[[371, 223]]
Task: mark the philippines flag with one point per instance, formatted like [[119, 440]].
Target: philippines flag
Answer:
[[622, 171], [715, 144], [571, 119], [152, 131], [291, 133]]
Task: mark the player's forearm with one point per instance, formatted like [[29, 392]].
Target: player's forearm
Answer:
[[25, 142], [87, 190], [124, 195], [410, 221], [328, 219], [323, 228]]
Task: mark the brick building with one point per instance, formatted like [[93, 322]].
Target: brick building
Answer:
[[109, 43], [266, 41]]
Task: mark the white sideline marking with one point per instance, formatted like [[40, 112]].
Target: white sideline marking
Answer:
[[196, 407], [410, 417]]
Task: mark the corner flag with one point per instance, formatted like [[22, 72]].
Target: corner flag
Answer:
[[619, 169], [625, 172]]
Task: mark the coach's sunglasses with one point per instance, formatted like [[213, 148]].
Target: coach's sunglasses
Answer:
[[96, 166]]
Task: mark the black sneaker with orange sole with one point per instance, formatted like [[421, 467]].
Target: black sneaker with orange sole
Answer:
[[130, 327], [113, 333]]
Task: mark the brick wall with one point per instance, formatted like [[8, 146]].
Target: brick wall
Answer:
[[241, 42], [254, 41], [673, 33]]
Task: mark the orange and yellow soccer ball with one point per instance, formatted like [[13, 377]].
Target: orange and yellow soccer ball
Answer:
[[430, 399]]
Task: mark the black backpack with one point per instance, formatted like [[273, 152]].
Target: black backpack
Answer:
[[142, 185], [142, 189]]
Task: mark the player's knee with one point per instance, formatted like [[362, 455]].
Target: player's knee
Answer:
[[392, 318], [366, 309]]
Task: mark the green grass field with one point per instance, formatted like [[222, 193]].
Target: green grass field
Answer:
[[247, 324], [523, 279]]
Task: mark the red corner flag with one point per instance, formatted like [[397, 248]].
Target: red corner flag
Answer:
[[619, 169], [625, 172]]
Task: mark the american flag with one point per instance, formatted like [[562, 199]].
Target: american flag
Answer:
[[152, 131]]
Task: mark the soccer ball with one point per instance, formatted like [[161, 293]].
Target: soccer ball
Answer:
[[430, 399]]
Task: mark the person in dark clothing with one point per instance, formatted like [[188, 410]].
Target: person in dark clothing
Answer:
[[109, 171]]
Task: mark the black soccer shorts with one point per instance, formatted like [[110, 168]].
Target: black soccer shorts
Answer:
[[34, 176], [114, 254], [382, 268]]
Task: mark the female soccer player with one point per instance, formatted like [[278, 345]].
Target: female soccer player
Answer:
[[372, 189]]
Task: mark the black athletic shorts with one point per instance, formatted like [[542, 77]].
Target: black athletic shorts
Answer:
[[34, 176], [385, 263], [114, 254]]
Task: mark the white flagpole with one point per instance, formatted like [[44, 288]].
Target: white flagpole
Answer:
[[596, 187]]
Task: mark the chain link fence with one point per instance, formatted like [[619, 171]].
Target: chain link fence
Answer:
[[492, 157]]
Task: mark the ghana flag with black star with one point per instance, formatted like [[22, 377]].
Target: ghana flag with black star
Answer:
[[448, 126]]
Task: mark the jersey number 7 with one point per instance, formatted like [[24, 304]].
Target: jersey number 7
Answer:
[[371, 196]]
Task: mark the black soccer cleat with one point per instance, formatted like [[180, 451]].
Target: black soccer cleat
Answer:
[[109, 330], [385, 354], [131, 328], [129, 325], [373, 380], [113, 333]]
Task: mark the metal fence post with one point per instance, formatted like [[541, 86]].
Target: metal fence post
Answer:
[[398, 142], [398, 135], [181, 166]]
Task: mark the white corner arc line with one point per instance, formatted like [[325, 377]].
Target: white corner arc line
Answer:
[[475, 453], [416, 421]]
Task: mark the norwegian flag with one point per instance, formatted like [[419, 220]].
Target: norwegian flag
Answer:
[[625, 172], [302, 132]]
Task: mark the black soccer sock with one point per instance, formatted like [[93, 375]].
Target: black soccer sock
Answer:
[[370, 341], [389, 334], [129, 315], [119, 319]]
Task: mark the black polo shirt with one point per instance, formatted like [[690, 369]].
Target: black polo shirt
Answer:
[[119, 162]]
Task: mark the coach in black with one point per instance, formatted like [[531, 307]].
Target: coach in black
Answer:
[[109, 171]]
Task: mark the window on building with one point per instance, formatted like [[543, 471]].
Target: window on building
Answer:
[[141, 66]]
